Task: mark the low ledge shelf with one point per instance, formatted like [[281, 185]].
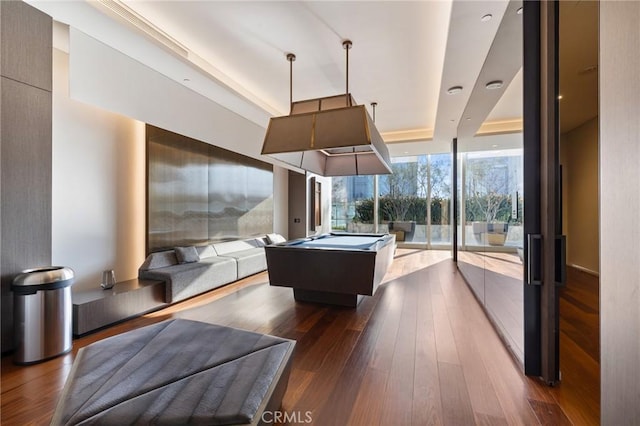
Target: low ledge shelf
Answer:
[[97, 308]]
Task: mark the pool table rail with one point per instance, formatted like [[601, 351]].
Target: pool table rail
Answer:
[[334, 275]]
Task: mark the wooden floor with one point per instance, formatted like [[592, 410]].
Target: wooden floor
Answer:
[[420, 351], [580, 347], [496, 279]]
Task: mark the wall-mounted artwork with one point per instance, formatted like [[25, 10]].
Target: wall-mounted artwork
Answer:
[[199, 193]]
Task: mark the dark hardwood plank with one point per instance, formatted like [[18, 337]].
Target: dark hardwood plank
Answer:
[[299, 381], [445, 341], [427, 404], [398, 399], [366, 409], [420, 352], [549, 414], [324, 382], [456, 404], [360, 382], [383, 353], [487, 420]]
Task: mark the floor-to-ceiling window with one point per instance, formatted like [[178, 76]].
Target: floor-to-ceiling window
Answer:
[[414, 202], [352, 203]]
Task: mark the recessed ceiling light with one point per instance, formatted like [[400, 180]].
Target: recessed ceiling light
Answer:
[[406, 152], [495, 84], [486, 17], [519, 11], [468, 118], [453, 90], [494, 146]]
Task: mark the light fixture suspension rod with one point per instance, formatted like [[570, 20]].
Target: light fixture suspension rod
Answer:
[[291, 57], [347, 45], [373, 107]]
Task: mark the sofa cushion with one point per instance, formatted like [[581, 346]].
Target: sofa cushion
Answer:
[[249, 261], [261, 241], [205, 251], [187, 254], [229, 247], [160, 259], [275, 238], [189, 279]]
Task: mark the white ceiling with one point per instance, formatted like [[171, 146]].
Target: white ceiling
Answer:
[[396, 60], [405, 55]]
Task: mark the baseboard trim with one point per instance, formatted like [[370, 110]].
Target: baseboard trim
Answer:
[[583, 269]]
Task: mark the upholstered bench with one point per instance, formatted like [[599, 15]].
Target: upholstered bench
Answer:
[[177, 372]]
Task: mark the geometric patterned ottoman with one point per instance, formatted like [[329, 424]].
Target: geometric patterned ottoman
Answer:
[[177, 372]]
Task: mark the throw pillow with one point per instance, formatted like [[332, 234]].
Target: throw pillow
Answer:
[[187, 254], [275, 238]]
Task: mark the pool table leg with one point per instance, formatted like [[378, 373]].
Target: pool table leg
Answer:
[[340, 299]]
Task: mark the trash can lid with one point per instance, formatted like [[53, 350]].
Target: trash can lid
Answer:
[[42, 275]]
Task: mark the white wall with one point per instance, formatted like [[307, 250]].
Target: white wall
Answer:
[[99, 153], [98, 209], [281, 201], [104, 77], [619, 212]]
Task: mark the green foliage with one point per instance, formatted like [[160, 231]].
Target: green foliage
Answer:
[[405, 208], [364, 211]]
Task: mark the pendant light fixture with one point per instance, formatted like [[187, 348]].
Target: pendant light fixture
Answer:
[[331, 136]]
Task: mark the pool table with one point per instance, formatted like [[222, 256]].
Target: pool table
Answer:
[[335, 268]]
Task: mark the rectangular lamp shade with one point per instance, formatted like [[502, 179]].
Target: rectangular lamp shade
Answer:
[[327, 138]]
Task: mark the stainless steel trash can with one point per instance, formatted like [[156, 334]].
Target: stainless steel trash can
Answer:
[[42, 313]]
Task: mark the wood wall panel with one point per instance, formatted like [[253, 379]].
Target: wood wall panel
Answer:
[[620, 211]]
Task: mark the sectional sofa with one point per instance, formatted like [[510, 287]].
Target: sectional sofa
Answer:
[[189, 271]]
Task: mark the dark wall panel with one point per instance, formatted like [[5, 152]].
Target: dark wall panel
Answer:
[[28, 51], [25, 148], [297, 205], [177, 191], [199, 193]]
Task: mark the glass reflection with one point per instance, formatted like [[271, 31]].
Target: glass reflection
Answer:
[[490, 196], [490, 249]]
